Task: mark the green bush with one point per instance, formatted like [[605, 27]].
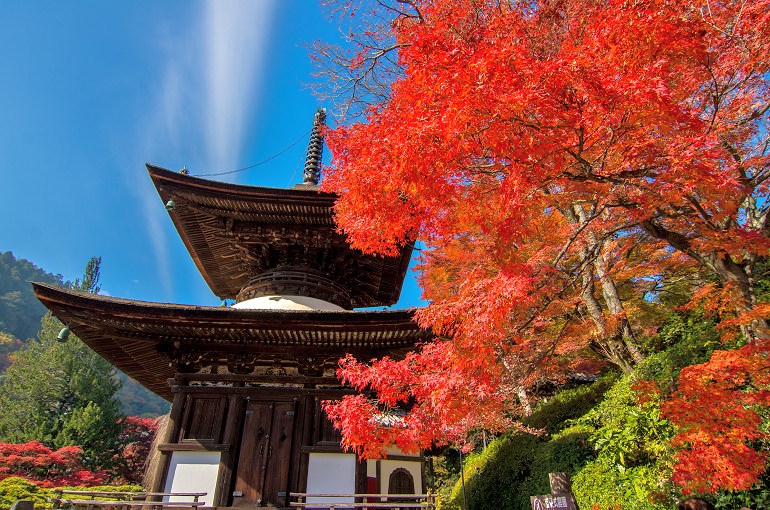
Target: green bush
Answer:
[[566, 452], [14, 488], [492, 476], [601, 485], [632, 469], [569, 404]]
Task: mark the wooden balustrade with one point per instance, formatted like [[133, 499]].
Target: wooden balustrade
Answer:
[[361, 501]]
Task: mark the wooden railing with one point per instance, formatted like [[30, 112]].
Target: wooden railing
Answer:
[[92, 500], [381, 501]]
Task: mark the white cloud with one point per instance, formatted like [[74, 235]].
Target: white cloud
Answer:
[[205, 101], [237, 36]]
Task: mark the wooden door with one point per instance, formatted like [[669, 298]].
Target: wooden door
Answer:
[[265, 458], [280, 454]]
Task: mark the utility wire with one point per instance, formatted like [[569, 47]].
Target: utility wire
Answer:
[[261, 162]]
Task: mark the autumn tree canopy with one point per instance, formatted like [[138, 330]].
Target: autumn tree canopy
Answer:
[[569, 165]]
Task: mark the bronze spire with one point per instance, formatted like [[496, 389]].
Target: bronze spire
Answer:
[[315, 149]]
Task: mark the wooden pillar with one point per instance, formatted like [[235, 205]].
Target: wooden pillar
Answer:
[[361, 476], [158, 477], [230, 437]]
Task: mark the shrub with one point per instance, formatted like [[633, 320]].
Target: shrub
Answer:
[[14, 488], [566, 452], [569, 404], [491, 476], [600, 485], [51, 468], [632, 469]]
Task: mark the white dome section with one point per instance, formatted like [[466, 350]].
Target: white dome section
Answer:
[[286, 303]]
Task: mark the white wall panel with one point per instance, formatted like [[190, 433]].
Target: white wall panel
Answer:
[[193, 472], [331, 473]]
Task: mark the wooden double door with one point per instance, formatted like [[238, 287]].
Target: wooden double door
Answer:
[[265, 459]]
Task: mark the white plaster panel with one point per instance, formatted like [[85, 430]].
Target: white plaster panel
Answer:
[[331, 473], [193, 472]]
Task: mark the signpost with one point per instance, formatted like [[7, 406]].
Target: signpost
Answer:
[[561, 497]]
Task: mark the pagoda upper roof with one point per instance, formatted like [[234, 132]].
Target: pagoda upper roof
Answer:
[[235, 233], [151, 342]]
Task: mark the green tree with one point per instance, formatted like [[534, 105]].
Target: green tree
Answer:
[[20, 311], [63, 393]]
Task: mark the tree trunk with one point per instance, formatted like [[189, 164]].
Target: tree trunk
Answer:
[[524, 400], [619, 346], [724, 268], [609, 346], [615, 306]]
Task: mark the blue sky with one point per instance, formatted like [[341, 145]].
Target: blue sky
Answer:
[[90, 91]]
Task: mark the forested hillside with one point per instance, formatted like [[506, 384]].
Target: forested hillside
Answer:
[[20, 312], [20, 322]]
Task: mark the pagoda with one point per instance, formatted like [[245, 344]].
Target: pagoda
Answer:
[[247, 381]]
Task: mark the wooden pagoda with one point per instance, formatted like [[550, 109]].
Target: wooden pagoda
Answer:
[[247, 382]]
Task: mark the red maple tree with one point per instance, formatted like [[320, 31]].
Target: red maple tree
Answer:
[[549, 154], [137, 436], [47, 467], [715, 409]]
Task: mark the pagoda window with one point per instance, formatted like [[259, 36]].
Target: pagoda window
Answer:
[[401, 482]]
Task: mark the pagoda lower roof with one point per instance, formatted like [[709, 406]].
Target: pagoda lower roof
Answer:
[[137, 336], [235, 233]]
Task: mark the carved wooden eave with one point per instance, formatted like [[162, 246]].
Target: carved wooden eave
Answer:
[[237, 233], [151, 342]]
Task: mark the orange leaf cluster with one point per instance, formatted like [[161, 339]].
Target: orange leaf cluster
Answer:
[[715, 410]]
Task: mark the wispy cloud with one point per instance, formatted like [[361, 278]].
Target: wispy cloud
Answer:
[[237, 37], [206, 99]]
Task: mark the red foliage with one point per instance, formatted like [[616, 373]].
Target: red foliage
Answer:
[[47, 467], [137, 435], [543, 150], [434, 384], [715, 410]]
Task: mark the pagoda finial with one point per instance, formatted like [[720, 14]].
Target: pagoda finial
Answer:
[[315, 149]]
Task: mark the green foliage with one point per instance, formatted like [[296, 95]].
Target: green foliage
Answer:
[[20, 312], [13, 489], [442, 473], [516, 466], [491, 475], [633, 464], [686, 339], [757, 497], [136, 400], [601, 485], [616, 449], [62, 393], [8, 344], [566, 405], [566, 452], [626, 434]]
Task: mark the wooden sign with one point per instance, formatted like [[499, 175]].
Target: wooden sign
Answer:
[[561, 497], [553, 502]]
